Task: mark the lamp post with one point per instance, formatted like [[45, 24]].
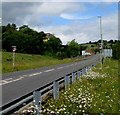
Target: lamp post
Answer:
[[101, 41]]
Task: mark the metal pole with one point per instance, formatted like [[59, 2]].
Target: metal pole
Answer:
[[101, 41]]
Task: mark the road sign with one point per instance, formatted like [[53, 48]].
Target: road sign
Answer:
[[107, 53], [100, 46], [13, 48]]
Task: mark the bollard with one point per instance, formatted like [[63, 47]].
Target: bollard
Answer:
[[67, 82], [73, 77], [56, 90], [37, 102]]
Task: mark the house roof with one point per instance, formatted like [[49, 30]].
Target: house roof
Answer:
[[89, 51]]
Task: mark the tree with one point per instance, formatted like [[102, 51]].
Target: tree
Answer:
[[53, 45], [73, 48], [116, 50]]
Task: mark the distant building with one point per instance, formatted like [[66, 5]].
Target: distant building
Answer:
[[49, 35], [87, 52]]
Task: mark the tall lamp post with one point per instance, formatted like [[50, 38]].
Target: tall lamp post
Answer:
[[101, 41]]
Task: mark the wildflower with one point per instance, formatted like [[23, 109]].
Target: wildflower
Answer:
[[80, 106], [52, 112], [83, 111]]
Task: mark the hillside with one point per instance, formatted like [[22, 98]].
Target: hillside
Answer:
[[29, 61]]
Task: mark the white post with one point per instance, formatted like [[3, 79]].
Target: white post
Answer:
[[13, 49], [13, 59]]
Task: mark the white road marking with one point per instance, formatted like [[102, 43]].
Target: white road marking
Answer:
[[49, 70], [67, 66], [60, 68], [6, 82], [72, 64], [34, 74], [8, 79], [25, 75]]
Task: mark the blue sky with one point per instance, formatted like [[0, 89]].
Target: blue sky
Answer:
[[67, 20], [89, 14]]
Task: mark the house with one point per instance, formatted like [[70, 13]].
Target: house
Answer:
[[87, 52]]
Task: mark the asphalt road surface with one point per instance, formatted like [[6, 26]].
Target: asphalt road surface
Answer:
[[16, 84]]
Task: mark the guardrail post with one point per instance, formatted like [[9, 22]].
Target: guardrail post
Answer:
[[78, 74], [37, 102], [73, 77], [67, 82], [82, 72], [89, 67], [55, 90], [86, 70]]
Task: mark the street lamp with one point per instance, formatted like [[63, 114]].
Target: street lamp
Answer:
[[101, 41]]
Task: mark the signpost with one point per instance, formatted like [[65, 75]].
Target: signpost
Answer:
[[13, 49]]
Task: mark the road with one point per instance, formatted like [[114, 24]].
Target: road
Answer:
[[16, 84]]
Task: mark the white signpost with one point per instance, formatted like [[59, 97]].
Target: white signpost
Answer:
[[13, 49]]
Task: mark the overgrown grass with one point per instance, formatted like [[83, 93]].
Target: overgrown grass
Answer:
[[28, 61], [95, 92]]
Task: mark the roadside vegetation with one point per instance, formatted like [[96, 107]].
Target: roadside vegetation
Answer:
[[95, 92], [29, 61], [30, 41]]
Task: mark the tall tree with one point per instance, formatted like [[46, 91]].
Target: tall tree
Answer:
[[73, 48]]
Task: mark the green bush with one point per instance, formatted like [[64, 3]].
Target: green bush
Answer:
[[116, 50]]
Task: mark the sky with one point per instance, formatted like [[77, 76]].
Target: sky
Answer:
[[73, 19]]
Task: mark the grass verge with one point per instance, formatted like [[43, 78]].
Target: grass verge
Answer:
[[95, 92], [28, 61]]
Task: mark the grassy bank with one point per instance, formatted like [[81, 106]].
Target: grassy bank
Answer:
[[28, 61], [95, 92]]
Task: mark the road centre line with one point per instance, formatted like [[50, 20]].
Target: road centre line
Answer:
[[49, 70], [11, 81], [60, 68], [67, 66], [8, 79], [34, 74], [4, 81]]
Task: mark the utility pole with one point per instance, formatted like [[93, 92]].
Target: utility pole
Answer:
[[101, 41]]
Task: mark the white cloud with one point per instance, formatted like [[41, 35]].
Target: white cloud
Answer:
[[72, 17], [60, 1], [32, 13], [83, 32]]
